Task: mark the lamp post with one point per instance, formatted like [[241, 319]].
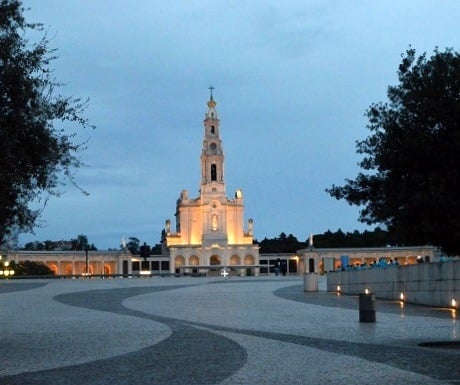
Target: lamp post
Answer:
[[145, 265], [87, 262]]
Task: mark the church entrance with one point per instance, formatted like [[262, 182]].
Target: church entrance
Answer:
[[215, 260]]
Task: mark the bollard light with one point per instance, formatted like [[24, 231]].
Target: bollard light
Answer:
[[366, 291], [453, 303], [402, 297], [339, 289]]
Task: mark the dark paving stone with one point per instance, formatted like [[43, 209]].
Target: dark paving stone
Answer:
[[329, 299], [189, 356], [7, 286]]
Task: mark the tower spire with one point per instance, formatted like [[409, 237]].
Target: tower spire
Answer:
[[211, 88], [211, 103], [212, 156]]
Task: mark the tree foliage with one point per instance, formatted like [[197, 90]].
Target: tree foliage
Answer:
[[375, 238], [30, 268], [81, 243], [411, 160], [328, 239], [133, 245], [78, 243], [281, 244], [36, 154]]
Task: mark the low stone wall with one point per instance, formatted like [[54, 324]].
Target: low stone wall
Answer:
[[433, 284]]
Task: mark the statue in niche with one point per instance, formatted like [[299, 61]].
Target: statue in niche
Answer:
[[214, 222], [250, 226], [168, 226]]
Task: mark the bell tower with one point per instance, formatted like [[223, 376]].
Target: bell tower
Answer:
[[212, 155], [210, 230]]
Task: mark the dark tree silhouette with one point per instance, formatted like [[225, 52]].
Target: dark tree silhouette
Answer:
[[411, 159], [37, 154]]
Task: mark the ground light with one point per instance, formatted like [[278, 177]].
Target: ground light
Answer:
[[402, 298], [5, 271]]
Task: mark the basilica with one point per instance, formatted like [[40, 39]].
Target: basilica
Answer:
[[210, 236], [210, 232]]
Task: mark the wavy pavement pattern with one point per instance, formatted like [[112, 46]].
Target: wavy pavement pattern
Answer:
[[195, 356], [188, 356]]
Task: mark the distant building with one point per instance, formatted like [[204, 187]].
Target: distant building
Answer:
[[122, 263], [209, 232], [324, 260], [76, 263]]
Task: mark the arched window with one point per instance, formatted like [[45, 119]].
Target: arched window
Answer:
[[213, 172], [213, 130]]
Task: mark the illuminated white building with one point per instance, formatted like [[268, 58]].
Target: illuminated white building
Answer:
[[210, 232]]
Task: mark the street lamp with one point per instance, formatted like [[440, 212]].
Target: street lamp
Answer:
[[87, 262]]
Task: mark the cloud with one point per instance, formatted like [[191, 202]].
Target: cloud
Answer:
[[293, 80]]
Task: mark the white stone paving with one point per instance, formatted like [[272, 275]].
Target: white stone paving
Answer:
[[273, 363], [245, 305], [37, 332]]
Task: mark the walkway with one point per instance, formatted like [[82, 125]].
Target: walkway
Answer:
[[218, 330]]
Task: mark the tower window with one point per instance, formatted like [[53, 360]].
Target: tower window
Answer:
[[213, 172], [213, 130], [213, 148]]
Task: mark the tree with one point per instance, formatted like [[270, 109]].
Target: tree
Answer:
[[281, 244], [133, 245], [36, 245], [80, 243], [36, 155], [31, 268], [411, 159]]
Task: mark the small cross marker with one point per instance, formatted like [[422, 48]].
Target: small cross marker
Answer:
[[224, 272]]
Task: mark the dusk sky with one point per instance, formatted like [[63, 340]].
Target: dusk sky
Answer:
[[293, 80]]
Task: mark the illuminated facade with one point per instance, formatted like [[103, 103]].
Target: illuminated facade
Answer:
[[210, 232]]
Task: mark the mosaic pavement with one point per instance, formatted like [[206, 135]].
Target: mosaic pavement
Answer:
[[254, 330]]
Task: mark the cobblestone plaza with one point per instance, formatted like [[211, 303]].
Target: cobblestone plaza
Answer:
[[252, 330]]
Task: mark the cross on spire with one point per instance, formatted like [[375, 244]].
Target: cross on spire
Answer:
[[211, 88]]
